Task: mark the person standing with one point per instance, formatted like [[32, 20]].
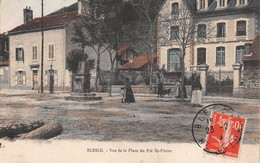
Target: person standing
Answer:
[[129, 96], [160, 89], [196, 98], [177, 89]]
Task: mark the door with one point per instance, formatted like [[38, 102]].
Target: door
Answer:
[[35, 80]]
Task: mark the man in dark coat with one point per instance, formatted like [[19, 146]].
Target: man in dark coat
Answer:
[[160, 89]]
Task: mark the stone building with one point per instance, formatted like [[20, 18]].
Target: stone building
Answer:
[[223, 27], [25, 49]]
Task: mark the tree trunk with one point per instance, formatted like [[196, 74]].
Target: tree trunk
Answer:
[[151, 68], [182, 74], [110, 82], [15, 129], [97, 72], [45, 132]]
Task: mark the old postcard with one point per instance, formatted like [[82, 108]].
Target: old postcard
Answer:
[[137, 81]]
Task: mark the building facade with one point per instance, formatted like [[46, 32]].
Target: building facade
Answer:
[[223, 27], [26, 50]]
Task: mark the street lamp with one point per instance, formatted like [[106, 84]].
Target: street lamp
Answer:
[[51, 80]]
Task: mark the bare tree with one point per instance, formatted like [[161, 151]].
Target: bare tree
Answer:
[[146, 28], [183, 31]]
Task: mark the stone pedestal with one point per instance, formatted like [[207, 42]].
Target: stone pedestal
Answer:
[[236, 78], [203, 78]]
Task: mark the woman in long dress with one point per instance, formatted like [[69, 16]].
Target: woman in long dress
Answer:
[[196, 98], [129, 96]]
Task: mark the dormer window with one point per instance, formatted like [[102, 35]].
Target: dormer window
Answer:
[[241, 2], [201, 4], [222, 3], [175, 8]]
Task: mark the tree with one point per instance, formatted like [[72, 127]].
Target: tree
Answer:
[[146, 28], [87, 34], [103, 29], [184, 27]]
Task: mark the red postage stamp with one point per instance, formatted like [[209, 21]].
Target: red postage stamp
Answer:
[[224, 134]]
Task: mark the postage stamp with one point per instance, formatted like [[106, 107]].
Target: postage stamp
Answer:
[[224, 134], [217, 130]]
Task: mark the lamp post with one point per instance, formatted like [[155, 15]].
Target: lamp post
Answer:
[[42, 51], [51, 80]]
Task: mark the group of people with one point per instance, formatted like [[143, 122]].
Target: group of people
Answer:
[[196, 97]]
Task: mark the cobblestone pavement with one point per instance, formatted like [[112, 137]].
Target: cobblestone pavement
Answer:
[[149, 119]]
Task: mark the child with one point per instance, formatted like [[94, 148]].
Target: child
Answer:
[[122, 93]]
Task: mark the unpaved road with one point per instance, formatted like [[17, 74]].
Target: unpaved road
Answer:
[[149, 119]]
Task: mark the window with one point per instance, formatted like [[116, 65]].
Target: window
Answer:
[[175, 8], [19, 54], [174, 32], [20, 78], [51, 51], [240, 52], [174, 59], [34, 53], [221, 3], [241, 28], [201, 56], [221, 30], [220, 56], [201, 31], [202, 4]]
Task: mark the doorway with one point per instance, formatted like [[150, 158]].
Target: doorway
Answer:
[[35, 80]]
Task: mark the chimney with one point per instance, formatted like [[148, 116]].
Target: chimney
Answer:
[[248, 48], [83, 7], [27, 14]]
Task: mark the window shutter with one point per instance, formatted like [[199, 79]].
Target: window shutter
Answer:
[[16, 52], [15, 78], [24, 78], [55, 77], [22, 51]]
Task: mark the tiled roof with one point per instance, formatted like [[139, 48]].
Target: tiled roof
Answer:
[[122, 49], [71, 8], [255, 56], [137, 63], [48, 21]]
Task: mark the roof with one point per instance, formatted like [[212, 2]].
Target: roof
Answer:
[[255, 55], [48, 21], [71, 8], [122, 49], [137, 63], [231, 8]]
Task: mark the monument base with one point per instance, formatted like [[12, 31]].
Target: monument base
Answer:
[[83, 97]]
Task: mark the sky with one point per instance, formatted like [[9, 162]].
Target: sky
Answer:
[[11, 11]]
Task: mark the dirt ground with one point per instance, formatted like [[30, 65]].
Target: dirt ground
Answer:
[[149, 119]]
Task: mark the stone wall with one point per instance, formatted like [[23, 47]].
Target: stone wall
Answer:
[[251, 84]]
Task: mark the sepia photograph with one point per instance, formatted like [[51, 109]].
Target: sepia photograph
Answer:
[[129, 81]]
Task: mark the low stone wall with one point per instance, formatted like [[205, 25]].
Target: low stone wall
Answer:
[[251, 84], [146, 89], [249, 92]]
